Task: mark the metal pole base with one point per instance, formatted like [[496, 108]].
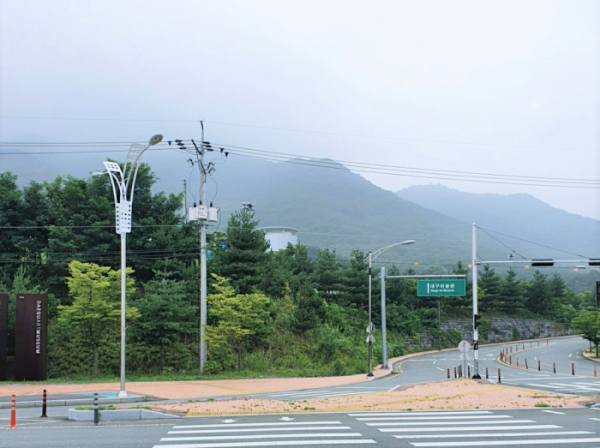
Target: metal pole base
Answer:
[[370, 374], [476, 376], [122, 394]]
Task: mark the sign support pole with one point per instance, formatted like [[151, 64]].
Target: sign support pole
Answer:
[[384, 363], [475, 331]]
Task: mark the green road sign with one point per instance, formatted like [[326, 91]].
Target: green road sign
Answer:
[[443, 287]]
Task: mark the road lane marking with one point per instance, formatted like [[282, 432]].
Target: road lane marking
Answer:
[[303, 394], [305, 428], [433, 418], [545, 385], [472, 428], [271, 443], [499, 434], [392, 414], [507, 442], [261, 436], [555, 412], [499, 422], [255, 424]]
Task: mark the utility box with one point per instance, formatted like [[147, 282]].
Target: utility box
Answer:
[[213, 214], [199, 213]]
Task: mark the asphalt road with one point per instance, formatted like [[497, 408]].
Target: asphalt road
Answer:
[[434, 367], [476, 428]]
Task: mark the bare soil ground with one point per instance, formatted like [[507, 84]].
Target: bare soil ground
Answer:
[[452, 394]]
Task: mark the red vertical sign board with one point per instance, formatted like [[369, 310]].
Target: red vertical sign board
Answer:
[[31, 337], [3, 336]]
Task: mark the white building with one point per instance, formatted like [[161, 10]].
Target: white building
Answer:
[[279, 237]]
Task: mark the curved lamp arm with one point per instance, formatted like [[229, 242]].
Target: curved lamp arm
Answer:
[[373, 255]]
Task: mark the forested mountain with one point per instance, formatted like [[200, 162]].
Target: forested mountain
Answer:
[[518, 215], [276, 313], [337, 209]]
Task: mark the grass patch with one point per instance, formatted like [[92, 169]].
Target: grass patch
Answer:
[[109, 407], [542, 405]]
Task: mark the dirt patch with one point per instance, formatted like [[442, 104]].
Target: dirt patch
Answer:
[[453, 394]]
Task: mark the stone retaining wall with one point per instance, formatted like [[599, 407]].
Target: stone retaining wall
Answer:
[[502, 330]]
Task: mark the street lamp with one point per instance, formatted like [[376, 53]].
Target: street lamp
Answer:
[[123, 184], [371, 257]]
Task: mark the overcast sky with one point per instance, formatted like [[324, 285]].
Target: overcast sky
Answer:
[[502, 87]]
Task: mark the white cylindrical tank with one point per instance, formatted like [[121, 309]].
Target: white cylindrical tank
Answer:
[[279, 237]]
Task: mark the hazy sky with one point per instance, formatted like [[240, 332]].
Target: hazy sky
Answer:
[[501, 87]]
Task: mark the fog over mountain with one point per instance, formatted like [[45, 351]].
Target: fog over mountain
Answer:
[[518, 215], [335, 208]]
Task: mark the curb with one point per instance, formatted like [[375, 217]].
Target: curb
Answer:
[[117, 415], [74, 402], [514, 366], [393, 363], [590, 359]]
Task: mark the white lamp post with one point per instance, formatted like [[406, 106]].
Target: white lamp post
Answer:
[[371, 257], [123, 184]]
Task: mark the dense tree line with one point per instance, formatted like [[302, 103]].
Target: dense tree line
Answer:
[[279, 312]]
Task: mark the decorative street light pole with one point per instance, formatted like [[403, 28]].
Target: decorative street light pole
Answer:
[[371, 257], [123, 184]]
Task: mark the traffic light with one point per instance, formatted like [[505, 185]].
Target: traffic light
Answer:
[[476, 318]]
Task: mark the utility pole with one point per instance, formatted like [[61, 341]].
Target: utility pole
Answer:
[[185, 212], [202, 254], [203, 215], [475, 316]]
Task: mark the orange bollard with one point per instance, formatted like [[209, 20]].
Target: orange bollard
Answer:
[[595, 371], [517, 362], [13, 412]]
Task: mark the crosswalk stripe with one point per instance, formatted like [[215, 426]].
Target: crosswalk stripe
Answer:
[[499, 422], [272, 443], [458, 417], [283, 394], [391, 414], [545, 385], [507, 442], [299, 394], [555, 412], [344, 394], [471, 428], [233, 430], [231, 425], [261, 436], [499, 434]]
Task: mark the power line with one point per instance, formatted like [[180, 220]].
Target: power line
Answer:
[[533, 242], [401, 171], [307, 131]]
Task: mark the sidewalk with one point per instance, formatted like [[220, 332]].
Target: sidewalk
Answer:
[[30, 395]]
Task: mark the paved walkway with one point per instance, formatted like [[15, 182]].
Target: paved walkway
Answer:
[[174, 389]]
